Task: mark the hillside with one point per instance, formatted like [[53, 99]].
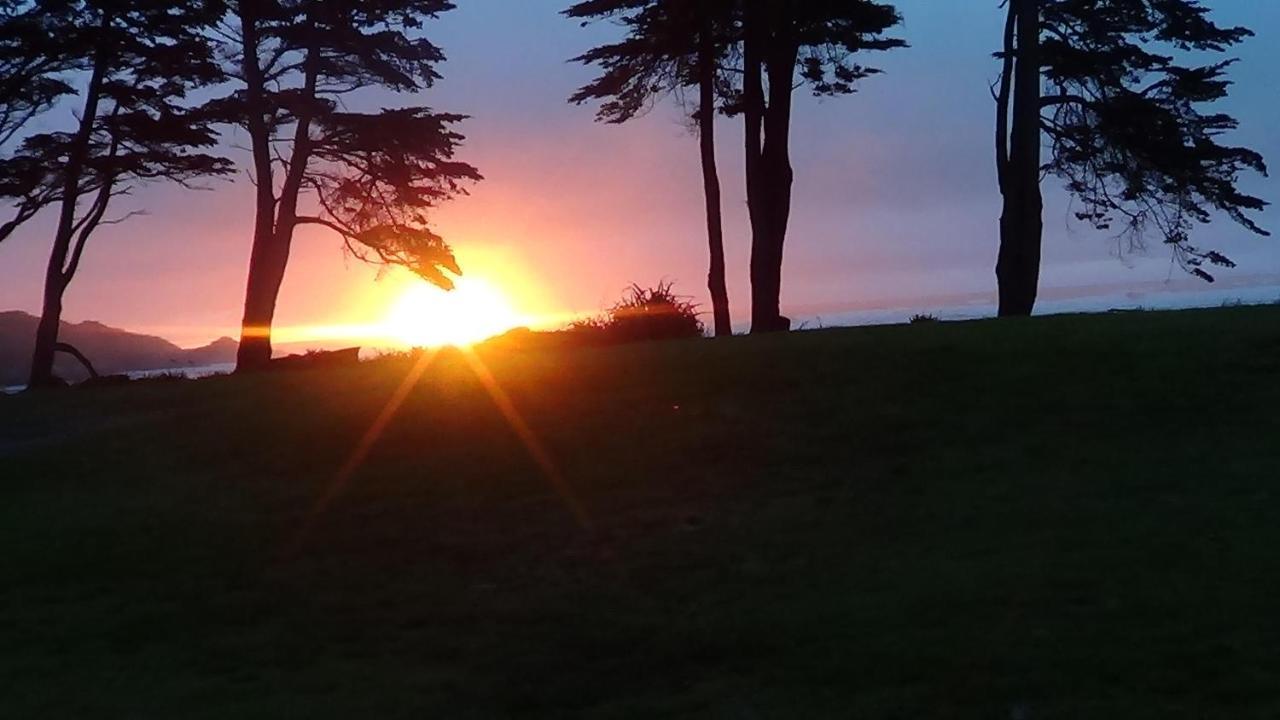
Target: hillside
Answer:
[[1060, 517], [111, 350]]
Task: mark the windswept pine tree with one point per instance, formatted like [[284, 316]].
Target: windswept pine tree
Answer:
[[1109, 85], [786, 43], [371, 177], [131, 65], [669, 45]]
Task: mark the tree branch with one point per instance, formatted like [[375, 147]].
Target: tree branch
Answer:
[[87, 225], [314, 220], [1064, 99]]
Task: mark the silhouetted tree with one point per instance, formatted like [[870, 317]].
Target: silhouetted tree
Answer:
[[135, 63], [1124, 124], [670, 45], [816, 40], [371, 177], [33, 61]]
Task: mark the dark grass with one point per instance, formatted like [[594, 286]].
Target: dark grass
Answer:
[[1058, 518]]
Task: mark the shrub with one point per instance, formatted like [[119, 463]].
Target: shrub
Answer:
[[656, 313], [923, 318]]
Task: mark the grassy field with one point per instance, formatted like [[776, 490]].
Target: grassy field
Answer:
[[1069, 517]]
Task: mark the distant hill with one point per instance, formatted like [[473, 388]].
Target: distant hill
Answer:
[[111, 350]]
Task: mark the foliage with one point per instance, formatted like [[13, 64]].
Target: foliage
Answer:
[[130, 65], [656, 313], [373, 176], [659, 54], [823, 38], [377, 175], [33, 62], [817, 41], [920, 318], [1124, 114]]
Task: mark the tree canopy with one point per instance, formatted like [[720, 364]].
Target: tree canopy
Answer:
[[659, 53], [34, 64], [374, 175], [370, 176], [1127, 123], [130, 66]]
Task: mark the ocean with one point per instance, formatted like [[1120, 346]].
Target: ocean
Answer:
[[192, 371]]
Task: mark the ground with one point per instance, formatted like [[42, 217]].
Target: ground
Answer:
[[1059, 517]]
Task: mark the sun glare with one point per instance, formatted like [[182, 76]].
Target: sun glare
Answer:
[[425, 316]]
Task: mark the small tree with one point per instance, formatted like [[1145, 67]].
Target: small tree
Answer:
[[817, 40], [370, 177], [1126, 129], [670, 45], [139, 60]]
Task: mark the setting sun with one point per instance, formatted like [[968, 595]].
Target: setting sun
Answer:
[[426, 316]]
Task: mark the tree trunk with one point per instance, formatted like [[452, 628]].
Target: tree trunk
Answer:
[[1021, 224], [716, 284], [267, 262], [777, 182], [267, 266], [763, 299], [769, 173], [47, 332], [56, 276], [276, 218]]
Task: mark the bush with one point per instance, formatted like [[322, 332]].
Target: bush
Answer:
[[923, 318], [655, 313]]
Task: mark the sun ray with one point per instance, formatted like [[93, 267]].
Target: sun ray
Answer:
[[529, 439], [501, 400], [361, 451]]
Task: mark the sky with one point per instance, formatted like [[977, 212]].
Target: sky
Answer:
[[895, 198]]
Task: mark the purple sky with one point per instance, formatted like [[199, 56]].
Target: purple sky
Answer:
[[895, 192]]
